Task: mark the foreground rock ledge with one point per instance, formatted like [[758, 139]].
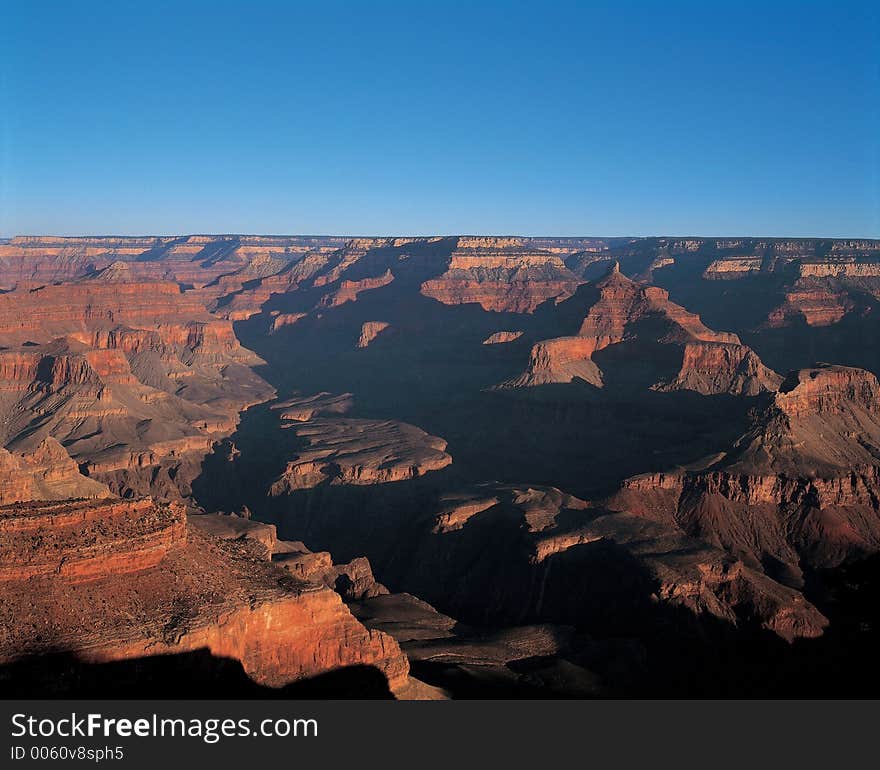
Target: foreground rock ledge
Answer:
[[204, 593]]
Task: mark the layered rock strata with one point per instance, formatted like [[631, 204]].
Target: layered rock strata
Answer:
[[360, 452], [712, 362], [46, 473], [502, 275], [134, 377], [506, 553], [128, 581], [799, 489]]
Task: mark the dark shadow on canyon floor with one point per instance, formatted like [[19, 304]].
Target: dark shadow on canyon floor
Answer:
[[431, 369]]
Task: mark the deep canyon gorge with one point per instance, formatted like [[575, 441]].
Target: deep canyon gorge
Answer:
[[441, 467]]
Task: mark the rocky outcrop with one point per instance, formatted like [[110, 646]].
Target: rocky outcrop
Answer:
[[348, 291], [798, 489], [625, 312], [501, 337], [353, 451], [87, 540], [127, 580], [822, 420], [850, 268], [353, 581], [502, 275], [370, 330], [285, 319], [563, 359], [730, 268], [302, 408], [45, 473], [622, 302], [816, 302], [237, 527], [722, 367]]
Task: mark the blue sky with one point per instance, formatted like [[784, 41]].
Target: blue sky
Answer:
[[619, 118]]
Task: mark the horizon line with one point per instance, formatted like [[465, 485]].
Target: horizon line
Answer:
[[196, 234]]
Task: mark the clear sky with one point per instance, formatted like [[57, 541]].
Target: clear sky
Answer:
[[623, 118]]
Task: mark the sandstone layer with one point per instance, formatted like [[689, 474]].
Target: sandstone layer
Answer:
[[194, 260], [46, 473], [127, 581], [134, 377], [502, 275], [816, 302]]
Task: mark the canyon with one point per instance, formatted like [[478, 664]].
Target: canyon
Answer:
[[134, 377], [450, 466], [626, 312]]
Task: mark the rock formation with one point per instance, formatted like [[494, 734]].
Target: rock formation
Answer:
[[46, 473], [798, 489], [285, 319], [501, 274], [303, 408], [561, 359], [733, 268], [353, 581], [850, 268], [127, 580], [121, 371], [818, 302], [370, 330], [348, 290], [134, 377], [80, 541], [722, 367], [359, 452], [712, 362], [512, 554], [500, 337]]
